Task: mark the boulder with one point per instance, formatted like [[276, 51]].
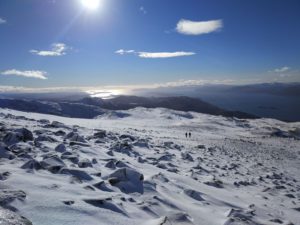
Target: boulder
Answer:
[[110, 164], [60, 148], [70, 156], [56, 124], [84, 163], [32, 164], [12, 138], [53, 164], [79, 174], [75, 137], [187, 156], [100, 134], [5, 153], [26, 134], [127, 180], [47, 138]]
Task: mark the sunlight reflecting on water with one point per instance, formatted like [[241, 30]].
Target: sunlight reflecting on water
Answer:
[[104, 94]]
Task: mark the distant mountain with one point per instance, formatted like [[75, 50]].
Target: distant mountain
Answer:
[[267, 100], [291, 89], [279, 89], [68, 109], [91, 107], [181, 103]]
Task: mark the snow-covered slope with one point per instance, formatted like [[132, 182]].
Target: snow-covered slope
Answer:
[[137, 167]]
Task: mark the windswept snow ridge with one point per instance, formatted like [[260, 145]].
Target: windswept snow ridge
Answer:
[[137, 167]]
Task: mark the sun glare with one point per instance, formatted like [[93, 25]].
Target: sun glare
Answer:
[[91, 4]]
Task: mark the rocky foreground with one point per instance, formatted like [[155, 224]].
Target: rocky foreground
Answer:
[[141, 169]]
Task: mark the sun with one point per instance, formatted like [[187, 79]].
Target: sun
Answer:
[[91, 4]]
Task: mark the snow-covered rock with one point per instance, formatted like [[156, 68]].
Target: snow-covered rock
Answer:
[[128, 180], [5, 153], [53, 164], [84, 163], [32, 164], [8, 217], [75, 137]]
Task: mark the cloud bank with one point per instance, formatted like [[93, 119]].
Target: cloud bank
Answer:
[[155, 55], [2, 21], [189, 27], [58, 49], [27, 73]]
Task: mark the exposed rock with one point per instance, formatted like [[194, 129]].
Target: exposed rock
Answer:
[[75, 137], [110, 164], [60, 148], [5, 153], [127, 180], [127, 136], [47, 138], [187, 156], [32, 164], [194, 194], [53, 164], [70, 156], [44, 121], [121, 164], [21, 150], [56, 124], [4, 175], [100, 134], [8, 217], [277, 221], [214, 183], [73, 143], [26, 134], [104, 203], [7, 196], [84, 163], [102, 186], [110, 152], [79, 174], [60, 133], [201, 147], [94, 161], [70, 202], [12, 138]]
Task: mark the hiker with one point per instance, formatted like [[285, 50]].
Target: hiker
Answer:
[[190, 135], [186, 134]]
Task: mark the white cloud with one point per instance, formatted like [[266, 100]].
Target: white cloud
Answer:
[[58, 49], [164, 54], [143, 10], [189, 27], [282, 69], [122, 51], [2, 21], [155, 55], [27, 73], [183, 82]]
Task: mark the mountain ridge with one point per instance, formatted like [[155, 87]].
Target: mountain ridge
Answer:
[[89, 107]]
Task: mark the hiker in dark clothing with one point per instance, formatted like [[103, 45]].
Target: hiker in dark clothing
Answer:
[[190, 135], [186, 134]]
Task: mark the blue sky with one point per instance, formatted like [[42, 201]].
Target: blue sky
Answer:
[[62, 43]]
